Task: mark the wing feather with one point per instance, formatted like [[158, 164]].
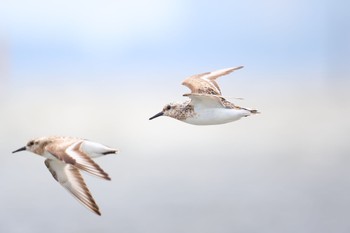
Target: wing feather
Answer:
[[74, 156], [70, 178], [205, 101], [205, 83], [84, 162]]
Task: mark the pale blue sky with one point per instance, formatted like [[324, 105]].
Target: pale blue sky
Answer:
[[84, 37]]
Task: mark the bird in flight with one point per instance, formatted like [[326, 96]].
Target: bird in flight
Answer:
[[66, 157], [206, 106]]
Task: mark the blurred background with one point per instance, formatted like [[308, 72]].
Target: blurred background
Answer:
[[100, 69]]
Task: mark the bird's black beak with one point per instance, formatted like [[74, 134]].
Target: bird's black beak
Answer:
[[157, 115], [20, 149]]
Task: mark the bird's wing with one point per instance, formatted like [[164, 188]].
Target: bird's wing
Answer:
[[205, 101], [70, 178], [76, 157], [205, 83]]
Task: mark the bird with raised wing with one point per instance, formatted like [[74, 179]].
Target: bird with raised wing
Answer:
[[206, 105], [65, 157]]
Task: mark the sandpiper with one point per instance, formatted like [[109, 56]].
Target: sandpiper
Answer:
[[207, 106], [65, 156]]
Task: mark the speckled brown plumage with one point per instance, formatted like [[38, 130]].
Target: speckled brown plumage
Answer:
[[207, 106], [65, 156]]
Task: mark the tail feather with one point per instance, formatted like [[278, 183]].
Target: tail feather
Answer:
[[110, 152], [254, 111], [251, 111]]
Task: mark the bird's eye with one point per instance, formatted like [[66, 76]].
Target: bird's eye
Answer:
[[30, 143], [168, 107]]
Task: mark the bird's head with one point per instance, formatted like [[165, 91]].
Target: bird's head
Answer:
[[170, 110], [35, 146]]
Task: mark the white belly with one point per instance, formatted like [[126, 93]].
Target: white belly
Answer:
[[215, 116]]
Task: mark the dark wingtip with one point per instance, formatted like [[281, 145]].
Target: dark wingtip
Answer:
[[97, 212]]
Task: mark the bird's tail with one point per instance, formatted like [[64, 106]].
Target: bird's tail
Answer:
[[253, 111]]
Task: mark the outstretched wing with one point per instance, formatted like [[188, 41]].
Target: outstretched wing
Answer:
[[76, 157], [205, 83], [70, 178]]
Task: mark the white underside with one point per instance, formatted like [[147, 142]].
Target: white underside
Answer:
[[216, 116], [94, 149]]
